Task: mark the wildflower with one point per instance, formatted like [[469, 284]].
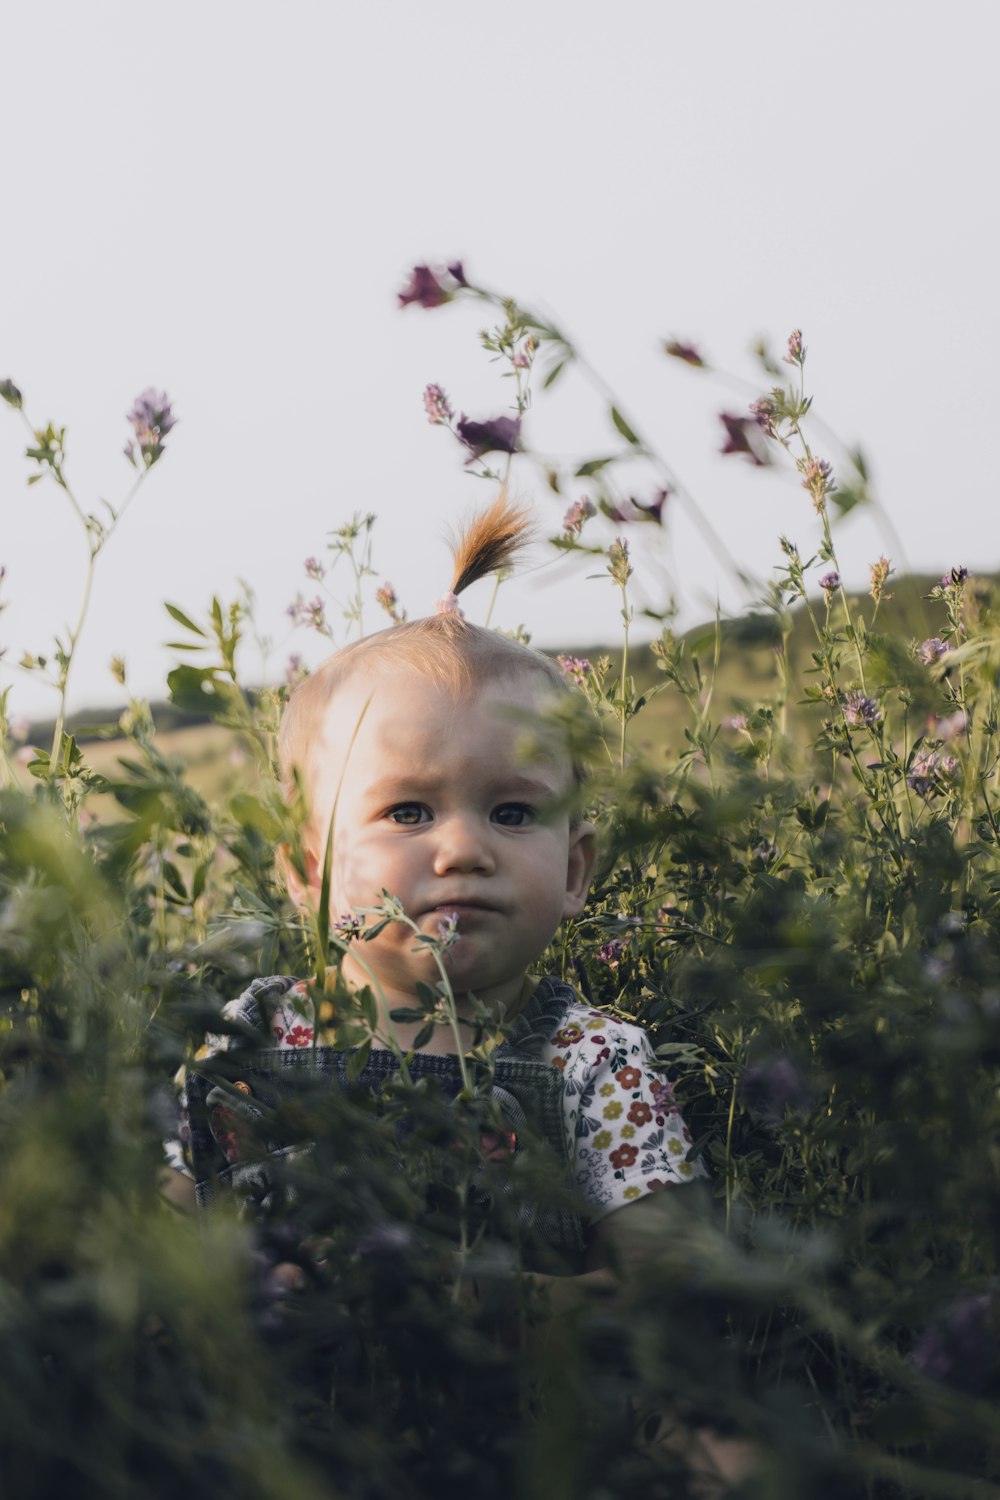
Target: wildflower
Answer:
[[954, 577], [580, 511], [771, 1086], [610, 953], [817, 478], [386, 597], [830, 581], [764, 411], [151, 419], [499, 435], [880, 572], [437, 407], [763, 851], [623, 1157], [117, 665], [950, 726], [574, 669], [744, 435], [931, 649], [654, 510], [311, 614], [618, 564], [425, 288], [858, 708], [350, 925], [796, 349], [295, 671], [457, 272], [522, 359], [314, 568], [448, 932], [687, 352], [959, 1348], [739, 722], [930, 772], [10, 393]]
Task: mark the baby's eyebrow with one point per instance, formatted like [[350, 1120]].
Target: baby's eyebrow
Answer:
[[412, 787]]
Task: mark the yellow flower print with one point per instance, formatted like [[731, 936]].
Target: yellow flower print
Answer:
[[603, 1139], [607, 1089], [674, 1146], [595, 1025], [628, 1131], [632, 1192], [612, 1110], [685, 1168]]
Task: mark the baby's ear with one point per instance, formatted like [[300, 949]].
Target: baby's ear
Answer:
[[579, 866]]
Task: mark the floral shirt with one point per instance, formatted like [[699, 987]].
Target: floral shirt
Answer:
[[624, 1133]]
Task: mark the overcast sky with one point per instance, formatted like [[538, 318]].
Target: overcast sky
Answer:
[[222, 199]]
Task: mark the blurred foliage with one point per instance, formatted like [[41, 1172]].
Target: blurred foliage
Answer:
[[798, 897]]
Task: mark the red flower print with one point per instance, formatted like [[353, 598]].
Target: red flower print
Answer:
[[640, 1113], [663, 1094], [657, 1184], [599, 1041], [299, 1036], [279, 1032], [628, 1078], [624, 1156], [559, 1062]]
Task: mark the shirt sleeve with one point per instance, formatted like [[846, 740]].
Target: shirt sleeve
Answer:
[[627, 1136]]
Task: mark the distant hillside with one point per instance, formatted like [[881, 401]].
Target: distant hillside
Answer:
[[747, 672]]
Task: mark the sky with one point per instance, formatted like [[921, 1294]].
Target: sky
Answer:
[[222, 199]]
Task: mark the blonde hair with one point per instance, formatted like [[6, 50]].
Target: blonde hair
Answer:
[[444, 648]]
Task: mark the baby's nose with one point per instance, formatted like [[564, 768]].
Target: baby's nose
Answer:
[[463, 843]]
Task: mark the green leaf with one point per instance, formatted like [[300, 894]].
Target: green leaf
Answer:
[[423, 1036], [553, 374], [593, 466], [624, 428], [183, 619], [358, 1061]]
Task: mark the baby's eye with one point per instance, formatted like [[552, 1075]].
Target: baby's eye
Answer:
[[513, 814], [409, 814]]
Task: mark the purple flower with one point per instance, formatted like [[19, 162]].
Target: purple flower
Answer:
[[830, 580], [687, 352], [931, 649], [436, 405], [959, 1348], [581, 510], [954, 577], [311, 613], [350, 925], [817, 479], [618, 562], [387, 598], [610, 953], [764, 410], [950, 726], [295, 670], [314, 568], [739, 722], [425, 288], [859, 709], [930, 772], [744, 435], [499, 435], [771, 1086], [654, 510], [574, 668], [457, 272], [448, 932], [795, 349], [151, 418]]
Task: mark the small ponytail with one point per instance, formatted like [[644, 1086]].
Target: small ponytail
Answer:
[[489, 541]]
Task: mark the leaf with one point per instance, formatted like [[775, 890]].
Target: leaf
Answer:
[[593, 466], [553, 374], [358, 1061], [624, 428], [422, 1037], [183, 619]]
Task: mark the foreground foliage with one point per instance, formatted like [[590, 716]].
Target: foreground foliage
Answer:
[[809, 930]]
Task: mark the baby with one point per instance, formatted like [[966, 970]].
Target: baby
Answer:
[[409, 747]]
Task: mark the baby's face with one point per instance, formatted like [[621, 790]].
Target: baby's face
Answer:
[[436, 804]]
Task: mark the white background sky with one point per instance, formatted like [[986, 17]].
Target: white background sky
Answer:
[[222, 198]]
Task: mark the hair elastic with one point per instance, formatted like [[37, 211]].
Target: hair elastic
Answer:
[[448, 605]]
